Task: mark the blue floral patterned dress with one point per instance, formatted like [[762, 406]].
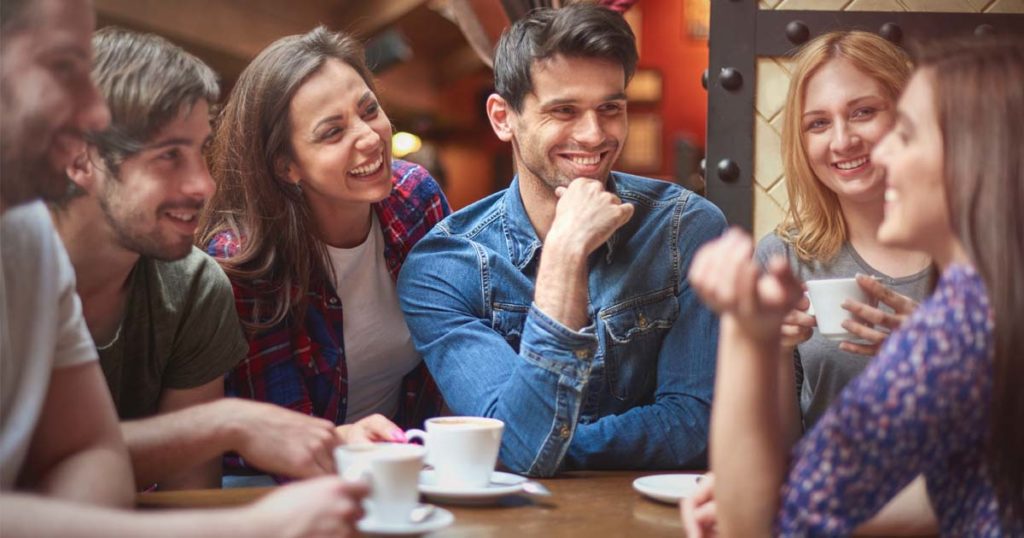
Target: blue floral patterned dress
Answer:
[[921, 407]]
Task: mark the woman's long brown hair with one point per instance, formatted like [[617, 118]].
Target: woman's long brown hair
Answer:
[[280, 258], [979, 96]]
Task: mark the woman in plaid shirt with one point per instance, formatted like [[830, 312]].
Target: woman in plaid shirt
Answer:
[[311, 214]]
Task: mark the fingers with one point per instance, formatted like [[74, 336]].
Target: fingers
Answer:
[[859, 349], [864, 332], [901, 304], [873, 315], [375, 428]]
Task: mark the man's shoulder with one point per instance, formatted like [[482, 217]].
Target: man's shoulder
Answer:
[[180, 280], [659, 194], [473, 219]]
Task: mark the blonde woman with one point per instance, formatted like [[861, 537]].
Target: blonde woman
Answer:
[[841, 102]]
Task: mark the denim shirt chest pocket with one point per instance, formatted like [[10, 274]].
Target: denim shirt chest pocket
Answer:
[[634, 331], [508, 319]]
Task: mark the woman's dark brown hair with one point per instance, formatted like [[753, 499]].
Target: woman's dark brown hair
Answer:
[[280, 257], [979, 96]]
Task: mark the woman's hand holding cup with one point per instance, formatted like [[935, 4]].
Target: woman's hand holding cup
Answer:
[[871, 324]]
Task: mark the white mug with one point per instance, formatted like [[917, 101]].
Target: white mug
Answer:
[[462, 450], [827, 298], [392, 471]]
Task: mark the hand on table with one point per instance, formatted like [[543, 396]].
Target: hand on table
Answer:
[[319, 507], [281, 441], [871, 323], [729, 281], [375, 428], [699, 512]]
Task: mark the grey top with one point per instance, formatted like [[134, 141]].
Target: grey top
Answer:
[[826, 368]]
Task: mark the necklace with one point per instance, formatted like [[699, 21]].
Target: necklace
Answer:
[[112, 340]]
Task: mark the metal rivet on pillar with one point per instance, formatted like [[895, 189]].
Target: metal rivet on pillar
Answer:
[[704, 79], [730, 78], [984, 29], [704, 168], [728, 170], [797, 32], [892, 32]]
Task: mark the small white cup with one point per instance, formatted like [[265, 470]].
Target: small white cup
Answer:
[[393, 472], [462, 450], [827, 298]]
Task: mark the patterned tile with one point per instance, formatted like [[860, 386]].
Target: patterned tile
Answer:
[[778, 120], [979, 5], [822, 5], [875, 5], [778, 193], [767, 145], [951, 6], [772, 83], [767, 213], [767, 4], [1006, 6]]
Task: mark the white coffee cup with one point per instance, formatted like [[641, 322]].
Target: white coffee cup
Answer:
[[462, 450], [827, 298], [393, 472]]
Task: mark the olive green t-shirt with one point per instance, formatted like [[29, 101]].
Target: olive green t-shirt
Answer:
[[180, 331]]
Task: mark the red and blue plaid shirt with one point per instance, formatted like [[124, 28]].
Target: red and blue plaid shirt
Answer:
[[302, 366]]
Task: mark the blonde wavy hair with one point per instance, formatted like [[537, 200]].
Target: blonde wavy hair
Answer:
[[813, 224]]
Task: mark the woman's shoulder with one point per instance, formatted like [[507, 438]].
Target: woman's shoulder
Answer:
[[415, 195]]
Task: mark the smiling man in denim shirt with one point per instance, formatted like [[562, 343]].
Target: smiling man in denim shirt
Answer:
[[561, 304]]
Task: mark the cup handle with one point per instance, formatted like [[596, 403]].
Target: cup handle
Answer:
[[413, 434]]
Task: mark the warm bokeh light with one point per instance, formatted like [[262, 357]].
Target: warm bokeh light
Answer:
[[403, 143]]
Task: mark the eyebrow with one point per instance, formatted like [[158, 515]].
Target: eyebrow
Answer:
[[851, 102], [619, 96], [178, 141], [368, 96]]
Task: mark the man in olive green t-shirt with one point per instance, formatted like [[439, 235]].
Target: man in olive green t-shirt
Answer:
[[162, 312]]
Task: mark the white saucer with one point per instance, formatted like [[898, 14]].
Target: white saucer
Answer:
[[438, 519], [502, 484], [668, 488]]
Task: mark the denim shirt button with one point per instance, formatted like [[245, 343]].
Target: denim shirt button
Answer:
[[564, 432], [334, 300], [582, 354], [642, 321]]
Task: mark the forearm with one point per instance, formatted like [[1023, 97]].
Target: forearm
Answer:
[[29, 516], [561, 290], [181, 449], [747, 449], [672, 433], [908, 514], [98, 475]]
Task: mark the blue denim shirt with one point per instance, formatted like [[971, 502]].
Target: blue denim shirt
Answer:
[[631, 390]]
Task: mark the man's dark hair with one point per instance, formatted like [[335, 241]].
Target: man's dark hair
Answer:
[[146, 81], [577, 30]]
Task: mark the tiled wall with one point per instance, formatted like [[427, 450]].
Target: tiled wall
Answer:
[[773, 80]]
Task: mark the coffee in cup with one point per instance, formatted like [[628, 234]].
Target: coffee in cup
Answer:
[[392, 471], [462, 450], [827, 298]]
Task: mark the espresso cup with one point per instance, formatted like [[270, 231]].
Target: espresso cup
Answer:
[[393, 472], [462, 450], [827, 298]]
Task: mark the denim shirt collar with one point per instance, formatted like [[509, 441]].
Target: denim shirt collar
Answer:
[[520, 235]]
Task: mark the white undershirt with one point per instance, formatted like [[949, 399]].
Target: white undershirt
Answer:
[[378, 347]]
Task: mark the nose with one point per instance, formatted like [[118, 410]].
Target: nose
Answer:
[[843, 138], [588, 131], [200, 185], [93, 114], [367, 139]]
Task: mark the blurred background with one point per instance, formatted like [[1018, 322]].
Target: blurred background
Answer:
[[431, 59]]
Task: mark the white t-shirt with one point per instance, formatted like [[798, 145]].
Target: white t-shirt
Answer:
[[41, 326], [378, 346]]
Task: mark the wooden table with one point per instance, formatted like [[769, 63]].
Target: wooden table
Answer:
[[588, 504]]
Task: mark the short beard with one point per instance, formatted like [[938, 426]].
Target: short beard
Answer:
[[142, 245]]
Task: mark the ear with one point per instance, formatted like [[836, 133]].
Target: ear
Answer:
[[501, 115], [82, 171], [286, 169]]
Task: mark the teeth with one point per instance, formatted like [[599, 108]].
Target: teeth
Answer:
[[849, 165], [585, 161], [891, 195], [368, 168], [187, 217]]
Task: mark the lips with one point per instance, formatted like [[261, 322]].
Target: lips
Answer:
[[584, 163], [851, 164], [368, 169]]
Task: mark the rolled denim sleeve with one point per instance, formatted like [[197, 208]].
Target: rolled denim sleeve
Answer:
[[444, 287], [672, 431]]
